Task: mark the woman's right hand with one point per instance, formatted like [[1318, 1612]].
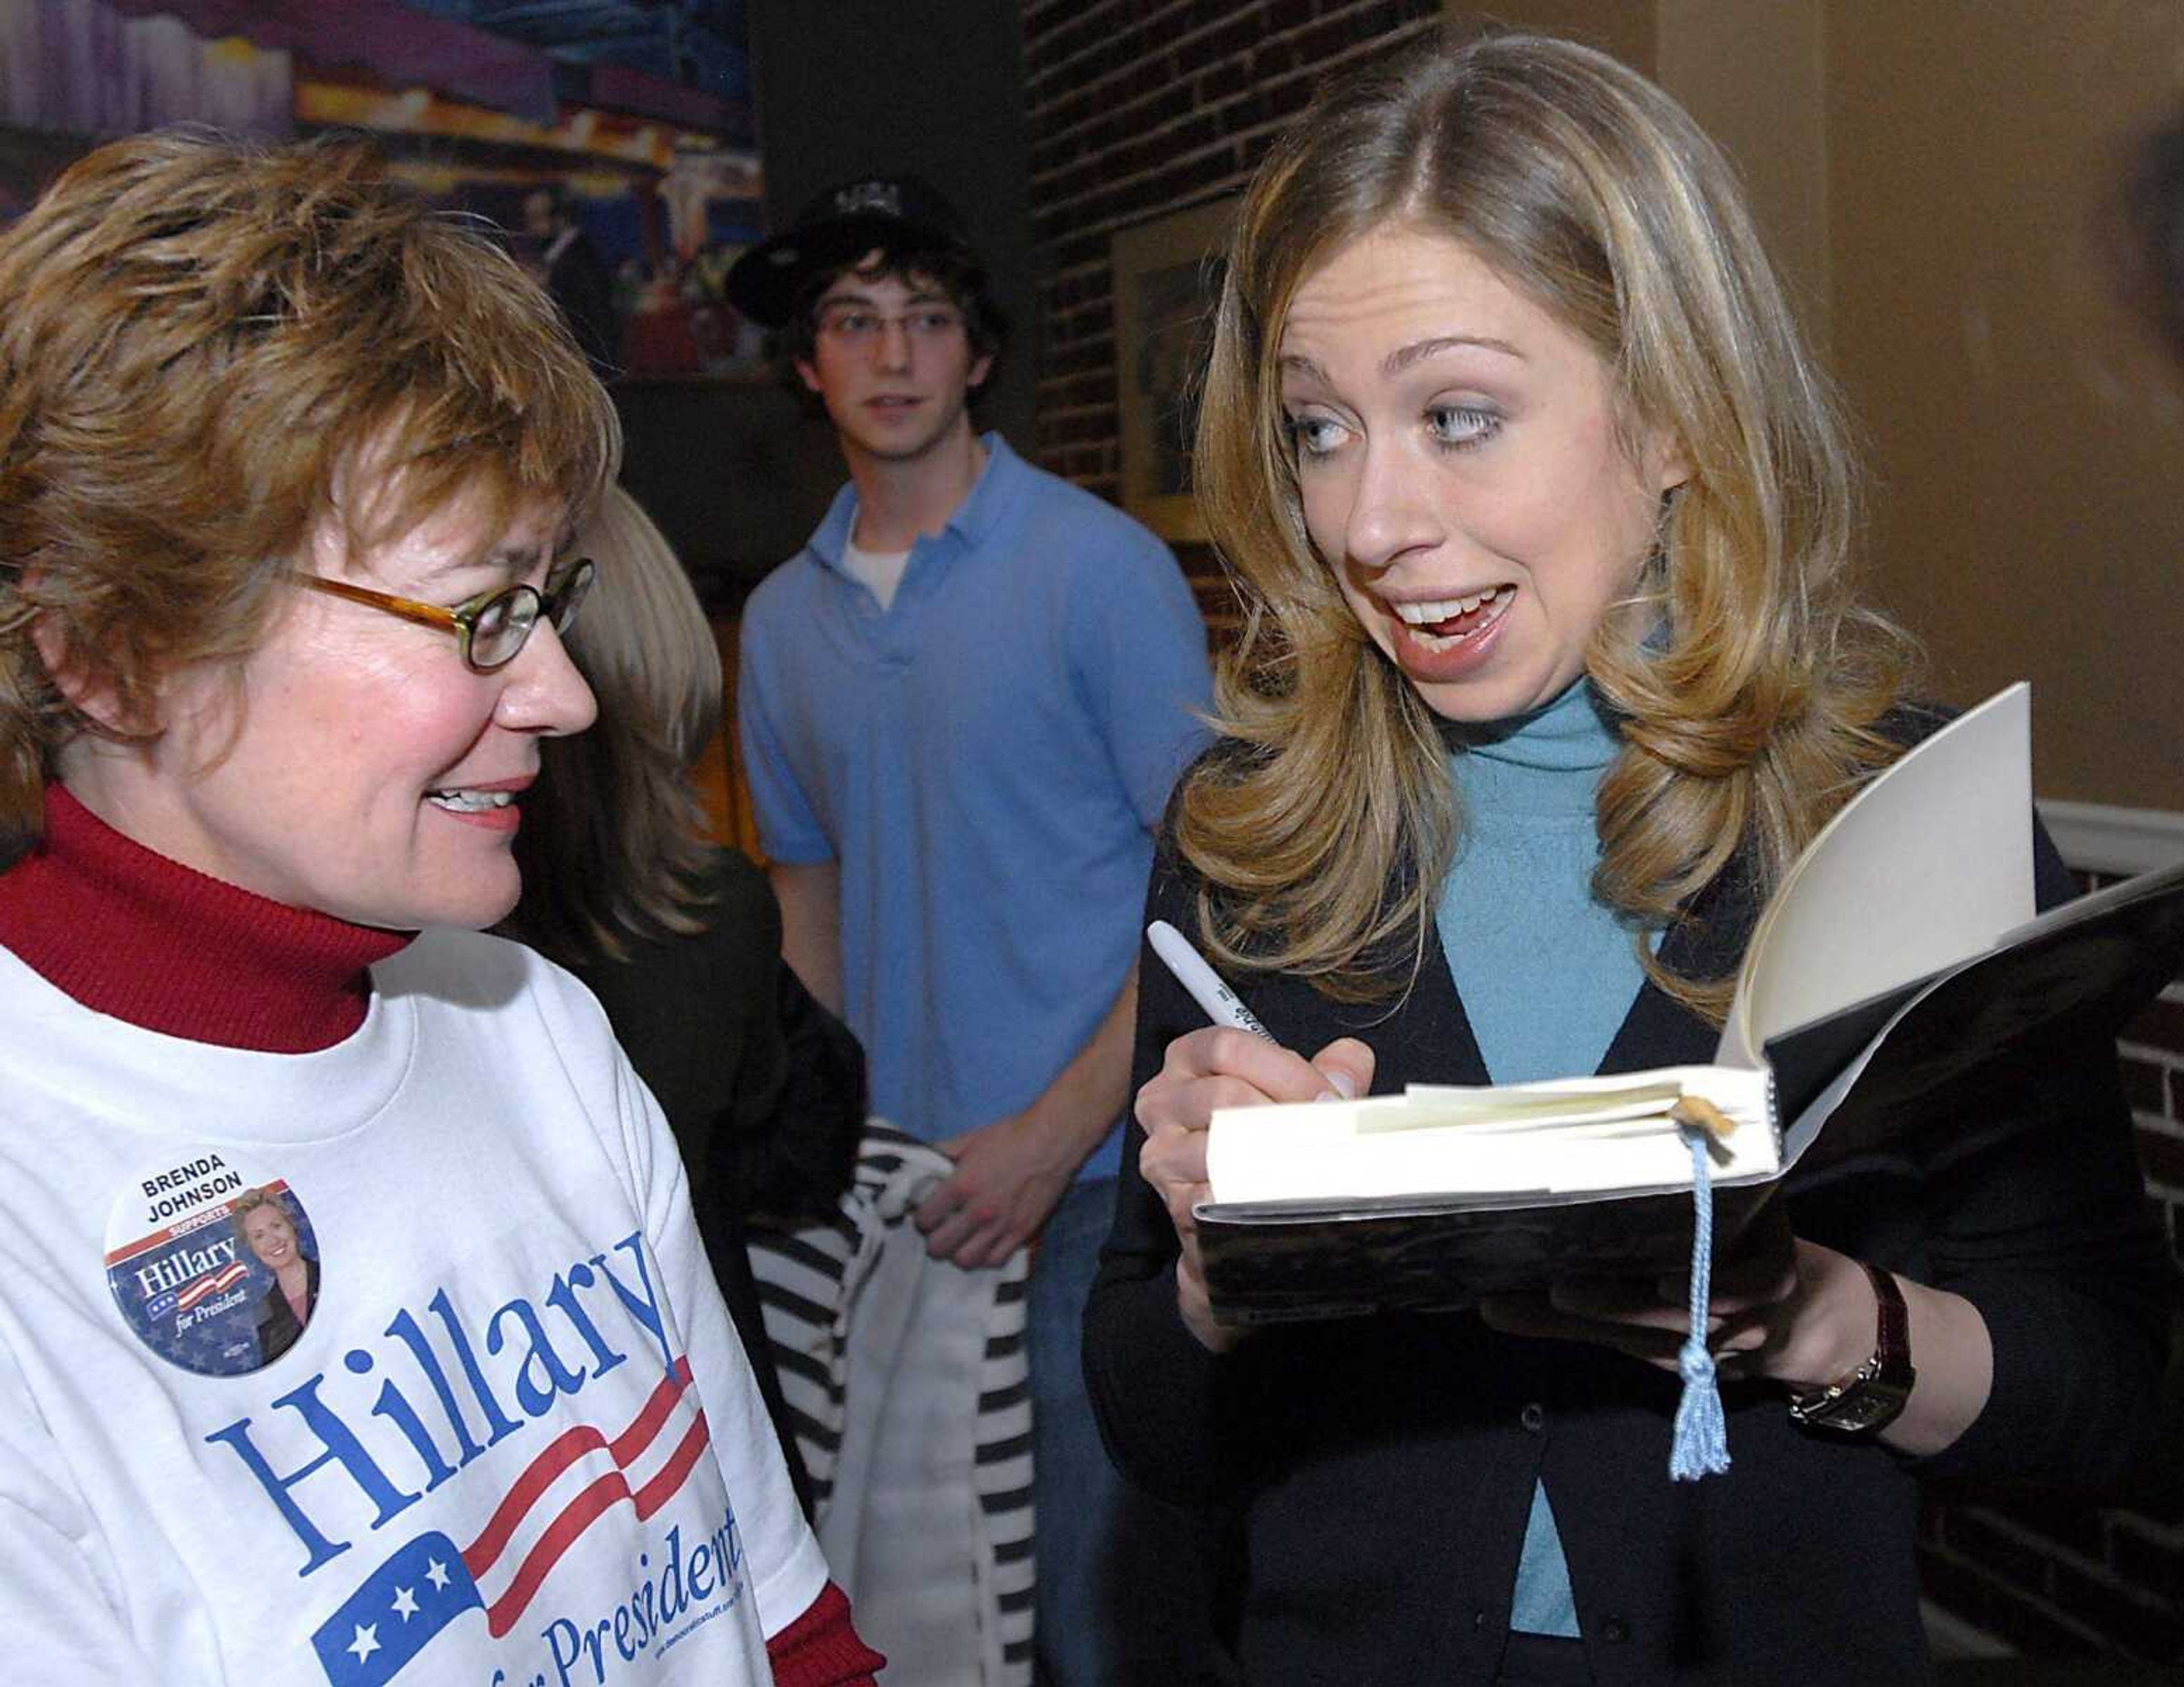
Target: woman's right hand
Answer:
[[1215, 1067]]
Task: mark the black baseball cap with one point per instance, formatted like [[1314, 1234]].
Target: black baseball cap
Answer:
[[901, 213]]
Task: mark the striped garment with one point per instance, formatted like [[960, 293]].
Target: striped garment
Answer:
[[907, 1382]]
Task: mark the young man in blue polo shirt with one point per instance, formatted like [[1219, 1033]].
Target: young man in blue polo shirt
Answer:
[[962, 706]]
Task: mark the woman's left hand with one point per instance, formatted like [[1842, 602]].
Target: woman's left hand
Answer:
[[1781, 1307]]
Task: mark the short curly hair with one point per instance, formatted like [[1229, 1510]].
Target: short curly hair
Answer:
[[201, 338]]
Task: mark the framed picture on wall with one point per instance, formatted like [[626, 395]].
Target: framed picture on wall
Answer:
[[1168, 280]]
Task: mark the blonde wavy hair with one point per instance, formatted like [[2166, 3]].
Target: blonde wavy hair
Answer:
[[203, 339], [615, 843], [1750, 682]]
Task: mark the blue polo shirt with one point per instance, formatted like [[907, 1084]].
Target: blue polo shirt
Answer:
[[985, 760]]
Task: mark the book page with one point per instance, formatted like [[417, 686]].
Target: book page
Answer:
[[1928, 864], [2084, 968], [1606, 1135], [1548, 1104]]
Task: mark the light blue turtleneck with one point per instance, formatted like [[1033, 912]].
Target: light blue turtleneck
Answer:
[[1546, 972]]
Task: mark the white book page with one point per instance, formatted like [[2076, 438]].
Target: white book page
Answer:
[[1422, 1143], [1928, 864], [1552, 1103]]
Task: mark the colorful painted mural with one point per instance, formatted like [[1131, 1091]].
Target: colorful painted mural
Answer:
[[614, 148]]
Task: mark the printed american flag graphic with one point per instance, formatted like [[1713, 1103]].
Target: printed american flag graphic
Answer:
[[209, 1284], [574, 1480]]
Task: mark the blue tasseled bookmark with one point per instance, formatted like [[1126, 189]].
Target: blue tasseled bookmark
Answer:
[[1701, 1447]]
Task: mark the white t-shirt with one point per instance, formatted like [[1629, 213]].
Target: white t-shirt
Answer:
[[878, 571], [515, 1439]]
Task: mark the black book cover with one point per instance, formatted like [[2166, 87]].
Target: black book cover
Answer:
[[1870, 1078]]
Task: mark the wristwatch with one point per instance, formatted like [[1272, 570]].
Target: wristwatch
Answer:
[[1869, 1397]]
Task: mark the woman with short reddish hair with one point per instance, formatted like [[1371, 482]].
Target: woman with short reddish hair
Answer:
[[288, 468]]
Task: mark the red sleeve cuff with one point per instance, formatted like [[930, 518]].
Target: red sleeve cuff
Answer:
[[821, 1648]]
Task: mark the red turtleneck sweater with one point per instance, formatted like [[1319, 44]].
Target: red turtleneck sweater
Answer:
[[128, 932]]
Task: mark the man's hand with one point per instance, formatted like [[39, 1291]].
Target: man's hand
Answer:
[[1013, 1173], [1009, 1176]]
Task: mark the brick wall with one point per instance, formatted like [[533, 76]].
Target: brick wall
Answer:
[[1139, 107], [2153, 1073]]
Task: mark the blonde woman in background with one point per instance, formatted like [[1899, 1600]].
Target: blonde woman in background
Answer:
[[679, 936], [1545, 522]]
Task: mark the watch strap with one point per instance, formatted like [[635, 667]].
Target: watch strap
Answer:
[[1892, 1335], [1870, 1397]]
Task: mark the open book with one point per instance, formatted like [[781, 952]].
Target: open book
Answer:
[[1899, 955]]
